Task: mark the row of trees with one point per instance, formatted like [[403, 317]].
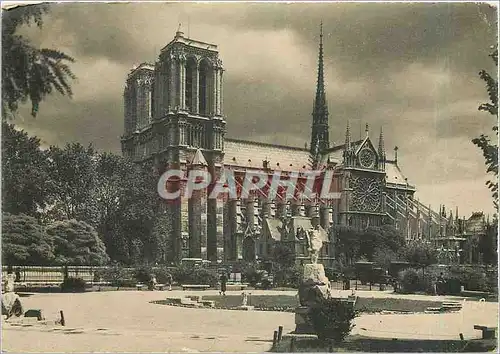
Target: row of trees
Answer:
[[109, 193], [27, 242]]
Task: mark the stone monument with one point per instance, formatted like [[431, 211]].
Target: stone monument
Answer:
[[244, 303], [11, 302], [315, 286]]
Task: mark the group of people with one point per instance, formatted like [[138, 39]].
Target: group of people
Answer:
[[153, 282]]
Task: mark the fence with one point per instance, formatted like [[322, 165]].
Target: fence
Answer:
[[51, 274]]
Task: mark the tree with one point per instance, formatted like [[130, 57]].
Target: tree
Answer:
[[489, 148], [384, 256], [25, 180], [347, 244], [76, 243], [420, 253], [285, 271], [127, 215], [385, 237], [282, 255], [24, 241], [160, 240], [72, 171], [29, 72]]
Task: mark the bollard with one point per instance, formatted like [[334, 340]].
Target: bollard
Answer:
[[280, 333], [63, 322], [275, 339], [292, 345]]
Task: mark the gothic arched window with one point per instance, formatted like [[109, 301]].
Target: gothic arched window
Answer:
[[190, 88], [204, 89]]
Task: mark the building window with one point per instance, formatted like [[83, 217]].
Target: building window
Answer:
[[189, 91], [204, 101]]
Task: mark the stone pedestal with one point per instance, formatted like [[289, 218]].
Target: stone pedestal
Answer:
[[314, 288], [302, 324]]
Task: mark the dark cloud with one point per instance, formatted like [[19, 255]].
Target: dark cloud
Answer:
[[409, 68]]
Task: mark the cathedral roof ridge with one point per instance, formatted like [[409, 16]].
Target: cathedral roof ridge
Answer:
[[243, 141], [138, 67], [190, 42], [342, 146]]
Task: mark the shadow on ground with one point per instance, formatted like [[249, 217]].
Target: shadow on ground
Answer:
[[372, 345]]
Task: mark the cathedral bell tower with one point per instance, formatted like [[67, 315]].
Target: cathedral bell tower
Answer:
[[320, 140], [188, 97], [189, 124]]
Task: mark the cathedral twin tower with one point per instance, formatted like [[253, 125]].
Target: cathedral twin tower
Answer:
[[184, 87]]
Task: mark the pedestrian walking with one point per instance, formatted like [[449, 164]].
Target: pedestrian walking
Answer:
[[223, 282]]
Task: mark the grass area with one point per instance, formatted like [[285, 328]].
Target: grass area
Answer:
[[259, 301], [366, 305], [371, 345]]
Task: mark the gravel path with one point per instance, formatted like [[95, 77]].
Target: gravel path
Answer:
[[126, 321]]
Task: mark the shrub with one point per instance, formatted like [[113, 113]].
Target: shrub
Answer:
[[472, 278], [289, 277], [195, 275], [116, 276], [332, 319], [251, 274], [143, 274], [162, 275], [73, 285], [412, 281], [266, 284], [205, 276], [331, 274]]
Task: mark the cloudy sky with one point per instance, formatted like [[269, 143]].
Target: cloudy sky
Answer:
[[410, 68]]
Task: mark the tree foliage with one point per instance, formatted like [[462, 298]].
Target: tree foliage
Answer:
[[24, 242], [420, 254], [488, 147], [25, 187], [332, 319], [115, 196], [76, 243], [73, 178], [353, 244], [30, 73], [126, 202]]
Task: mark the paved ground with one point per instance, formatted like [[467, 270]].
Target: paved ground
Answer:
[[126, 321]]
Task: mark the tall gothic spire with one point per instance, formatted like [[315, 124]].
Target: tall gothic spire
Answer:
[[320, 136], [320, 86], [348, 137], [347, 146], [381, 145]]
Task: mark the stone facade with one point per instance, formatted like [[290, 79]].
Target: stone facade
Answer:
[[174, 117]]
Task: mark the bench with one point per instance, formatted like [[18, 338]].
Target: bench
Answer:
[[140, 286], [195, 287], [160, 287], [234, 287], [488, 332]]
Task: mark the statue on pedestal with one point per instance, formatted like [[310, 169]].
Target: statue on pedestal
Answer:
[[314, 243], [315, 286]]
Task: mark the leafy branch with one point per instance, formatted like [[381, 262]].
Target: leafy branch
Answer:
[[490, 149]]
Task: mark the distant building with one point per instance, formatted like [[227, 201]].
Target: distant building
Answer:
[[174, 118]]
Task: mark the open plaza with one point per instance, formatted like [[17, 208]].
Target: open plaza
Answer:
[[128, 321]]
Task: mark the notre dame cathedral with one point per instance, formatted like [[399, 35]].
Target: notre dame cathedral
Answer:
[[174, 117]]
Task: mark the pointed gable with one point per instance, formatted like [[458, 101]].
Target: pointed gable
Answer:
[[199, 159], [366, 143]]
